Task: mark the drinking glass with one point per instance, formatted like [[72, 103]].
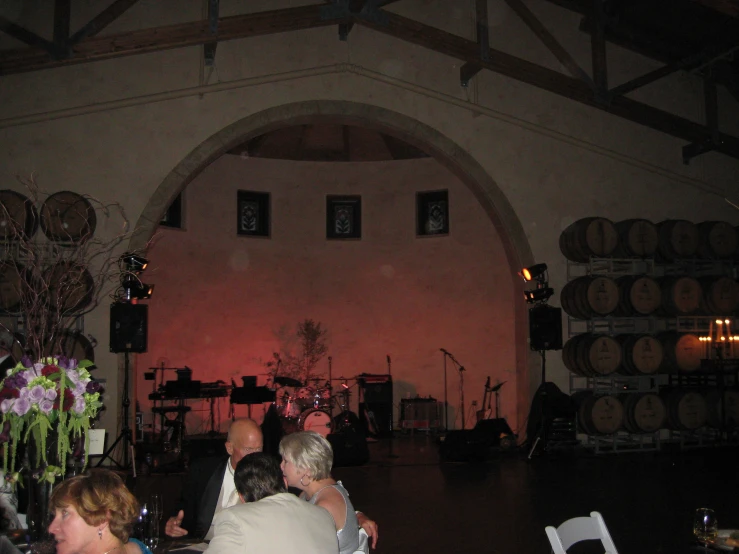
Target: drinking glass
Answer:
[[155, 516], [705, 526]]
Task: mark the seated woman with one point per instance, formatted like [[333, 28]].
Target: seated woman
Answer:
[[307, 458], [94, 514]]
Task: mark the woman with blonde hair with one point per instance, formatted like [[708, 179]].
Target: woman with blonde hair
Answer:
[[94, 514], [307, 459]]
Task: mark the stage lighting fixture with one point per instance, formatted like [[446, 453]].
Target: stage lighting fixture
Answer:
[[538, 295], [134, 262], [134, 289], [534, 273]]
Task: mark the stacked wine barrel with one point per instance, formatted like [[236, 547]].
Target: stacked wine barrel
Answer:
[[679, 409], [66, 219], [594, 296]]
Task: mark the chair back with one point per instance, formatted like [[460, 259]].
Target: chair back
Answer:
[[580, 529]]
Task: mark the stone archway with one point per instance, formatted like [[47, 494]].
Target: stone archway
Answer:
[[444, 150]]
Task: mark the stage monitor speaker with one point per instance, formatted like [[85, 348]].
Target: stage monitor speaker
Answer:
[[545, 328], [464, 446], [128, 327]]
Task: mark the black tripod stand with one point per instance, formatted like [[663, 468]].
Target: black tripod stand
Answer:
[[541, 434], [125, 435]]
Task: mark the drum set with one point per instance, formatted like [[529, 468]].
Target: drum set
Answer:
[[309, 406]]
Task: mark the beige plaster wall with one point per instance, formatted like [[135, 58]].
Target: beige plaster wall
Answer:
[[117, 129], [224, 302]]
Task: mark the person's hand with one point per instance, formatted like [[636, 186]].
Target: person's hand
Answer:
[[173, 528], [370, 527]]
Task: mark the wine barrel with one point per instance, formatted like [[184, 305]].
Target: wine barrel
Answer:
[[600, 415], [678, 239], [68, 217], [592, 355], [730, 406], [720, 295], [591, 236], [686, 409], [681, 296], [637, 295], [589, 296], [71, 344], [638, 238], [682, 352], [70, 287], [643, 413], [18, 216], [716, 239], [10, 287], [641, 354]]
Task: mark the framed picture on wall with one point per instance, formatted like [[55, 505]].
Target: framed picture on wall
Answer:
[[343, 217], [432, 213], [252, 213]]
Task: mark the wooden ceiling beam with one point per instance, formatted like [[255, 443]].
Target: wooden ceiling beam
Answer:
[[102, 20], [167, 37], [24, 35], [521, 70]]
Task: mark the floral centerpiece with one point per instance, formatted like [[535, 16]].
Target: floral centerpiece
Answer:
[[55, 396]]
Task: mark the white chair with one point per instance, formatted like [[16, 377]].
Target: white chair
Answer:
[[580, 529]]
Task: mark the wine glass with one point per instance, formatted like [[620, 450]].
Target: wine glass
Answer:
[[705, 526]]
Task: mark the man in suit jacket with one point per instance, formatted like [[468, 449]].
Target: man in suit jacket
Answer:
[[210, 487], [271, 520]]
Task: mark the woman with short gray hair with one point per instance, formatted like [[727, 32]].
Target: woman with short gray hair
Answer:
[[307, 458]]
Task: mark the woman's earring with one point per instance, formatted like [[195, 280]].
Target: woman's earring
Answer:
[[301, 481], [100, 534]]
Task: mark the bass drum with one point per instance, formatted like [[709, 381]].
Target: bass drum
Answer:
[[316, 420]]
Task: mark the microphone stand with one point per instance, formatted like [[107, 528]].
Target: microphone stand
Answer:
[[461, 369], [391, 443]]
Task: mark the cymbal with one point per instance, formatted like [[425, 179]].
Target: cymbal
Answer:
[[287, 382]]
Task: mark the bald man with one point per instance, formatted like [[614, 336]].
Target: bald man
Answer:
[[210, 484]]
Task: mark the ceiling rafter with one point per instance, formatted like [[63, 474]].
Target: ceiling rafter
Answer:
[[415, 32], [102, 20]]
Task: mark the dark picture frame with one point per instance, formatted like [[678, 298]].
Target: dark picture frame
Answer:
[[432, 213], [343, 217], [253, 213]]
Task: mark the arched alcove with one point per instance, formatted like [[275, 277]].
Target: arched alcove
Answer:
[[458, 161]]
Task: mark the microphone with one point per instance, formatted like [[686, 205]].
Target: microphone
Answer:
[[461, 368], [388, 358], [444, 351]]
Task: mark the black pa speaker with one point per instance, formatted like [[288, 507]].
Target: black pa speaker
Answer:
[[545, 328], [128, 327]]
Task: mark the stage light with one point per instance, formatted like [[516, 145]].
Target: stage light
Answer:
[[538, 295], [719, 322], [134, 289], [134, 262], [535, 272]]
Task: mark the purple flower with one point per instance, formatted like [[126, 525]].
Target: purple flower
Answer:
[[72, 363], [46, 405], [21, 406], [50, 394], [79, 389], [37, 394], [79, 405], [63, 362], [24, 393], [5, 405], [27, 361], [93, 387], [16, 381], [73, 375], [34, 371]]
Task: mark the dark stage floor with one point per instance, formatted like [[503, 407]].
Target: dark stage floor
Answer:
[[503, 505]]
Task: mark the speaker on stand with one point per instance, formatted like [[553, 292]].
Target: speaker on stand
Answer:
[[376, 409]]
